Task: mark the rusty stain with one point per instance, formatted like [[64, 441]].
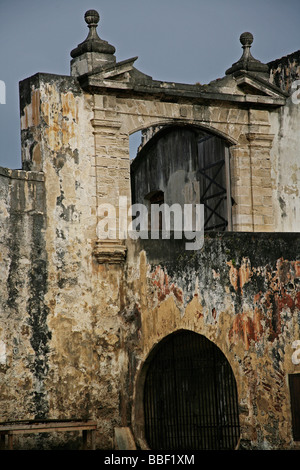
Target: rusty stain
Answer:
[[296, 265], [35, 107], [216, 275], [233, 275], [214, 313], [160, 279], [239, 276], [198, 314], [61, 115], [246, 328], [269, 305]]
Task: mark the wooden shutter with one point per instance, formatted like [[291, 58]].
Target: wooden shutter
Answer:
[[214, 176], [294, 384]]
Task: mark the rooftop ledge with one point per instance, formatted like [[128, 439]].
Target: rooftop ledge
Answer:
[[22, 174]]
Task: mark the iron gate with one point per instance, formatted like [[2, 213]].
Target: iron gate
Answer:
[[190, 396]]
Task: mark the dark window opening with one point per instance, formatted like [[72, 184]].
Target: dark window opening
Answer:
[[294, 385], [155, 197], [190, 396]]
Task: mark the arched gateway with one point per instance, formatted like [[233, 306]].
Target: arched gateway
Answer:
[[190, 396]]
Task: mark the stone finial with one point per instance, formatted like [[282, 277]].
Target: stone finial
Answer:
[[247, 61], [92, 17], [93, 52], [246, 39]]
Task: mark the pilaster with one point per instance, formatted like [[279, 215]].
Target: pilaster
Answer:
[[112, 169], [251, 176], [261, 182]]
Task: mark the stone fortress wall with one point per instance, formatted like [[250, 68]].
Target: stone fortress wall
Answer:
[[80, 315]]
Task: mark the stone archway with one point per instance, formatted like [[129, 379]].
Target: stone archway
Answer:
[[189, 396]]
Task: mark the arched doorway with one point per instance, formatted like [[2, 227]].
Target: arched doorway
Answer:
[[189, 166], [190, 396]]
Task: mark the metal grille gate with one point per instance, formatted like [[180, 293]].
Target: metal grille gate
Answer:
[[190, 396]]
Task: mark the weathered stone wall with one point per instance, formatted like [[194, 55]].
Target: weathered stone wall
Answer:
[[242, 292], [24, 334], [78, 324], [284, 73], [286, 168], [82, 297]]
